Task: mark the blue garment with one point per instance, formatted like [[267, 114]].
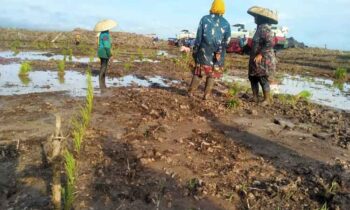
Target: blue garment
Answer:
[[213, 36], [104, 48]]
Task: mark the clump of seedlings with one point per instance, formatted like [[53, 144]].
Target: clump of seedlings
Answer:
[[129, 64], [61, 65], [14, 47], [70, 173], [70, 55], [25, 69], [79, 125], [233, 103], [304, 95], [340, 74]]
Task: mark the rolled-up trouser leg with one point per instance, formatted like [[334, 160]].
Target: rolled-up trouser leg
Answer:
[[254, 82], [194, 84], [265, 85], [209, 84], [103, 70]]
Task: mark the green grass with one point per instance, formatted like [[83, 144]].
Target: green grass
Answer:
[[61, 65], [25, 69], [340, 74]]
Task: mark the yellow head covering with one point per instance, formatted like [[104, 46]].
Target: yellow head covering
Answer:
[[218, 7]]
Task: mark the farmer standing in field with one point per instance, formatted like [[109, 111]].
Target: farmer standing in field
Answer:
[[262, 62], [209, 51], [104, 47]]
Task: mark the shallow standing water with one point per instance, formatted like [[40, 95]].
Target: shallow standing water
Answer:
[[324, 91], [73, 82], [42, 56]]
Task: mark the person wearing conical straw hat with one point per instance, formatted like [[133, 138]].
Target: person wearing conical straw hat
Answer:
[[262, 62], [104, 47], [209, 51]]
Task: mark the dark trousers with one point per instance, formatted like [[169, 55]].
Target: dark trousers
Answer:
[[103, 70], [263, 81]]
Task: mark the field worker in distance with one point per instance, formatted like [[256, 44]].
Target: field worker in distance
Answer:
[[104, 47], [209, 51], [262, 62]]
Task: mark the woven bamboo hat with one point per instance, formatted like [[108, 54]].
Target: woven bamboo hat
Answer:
[[264, 12], [105, 25]]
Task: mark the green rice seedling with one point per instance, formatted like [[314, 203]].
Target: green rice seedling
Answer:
[[140, 54], [340, 74], [25, 69], [85, 116], [91, 59], [90, 91], [64, 53], [304, 95], [14, 46], [70, 53], [233, 103], [287, 99], [78, 136], [324, 207], [70, 173], [61, 66]]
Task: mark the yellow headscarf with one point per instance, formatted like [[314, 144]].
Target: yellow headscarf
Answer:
[[218, 7]]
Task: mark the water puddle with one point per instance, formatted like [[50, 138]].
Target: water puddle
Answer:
[[43, 56], [324, 91], [74, 83], [146, 60]]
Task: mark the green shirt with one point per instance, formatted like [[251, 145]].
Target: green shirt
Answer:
[[105, 44]]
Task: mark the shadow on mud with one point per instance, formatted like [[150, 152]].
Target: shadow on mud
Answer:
[[24, 177], [316, 176], [121, 181]]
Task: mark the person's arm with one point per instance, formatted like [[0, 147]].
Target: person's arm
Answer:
[[224, 43], [198, 37]]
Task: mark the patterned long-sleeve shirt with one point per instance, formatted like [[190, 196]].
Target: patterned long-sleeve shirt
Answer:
[[213, 35], [263, 43]]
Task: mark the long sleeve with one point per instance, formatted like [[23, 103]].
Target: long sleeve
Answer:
[[226, 40], [199, 35]]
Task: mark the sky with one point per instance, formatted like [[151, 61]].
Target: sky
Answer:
[[315, 22]]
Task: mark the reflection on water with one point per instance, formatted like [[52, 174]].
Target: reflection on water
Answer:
[[24, 79], [324, 91], [60, 76], [43, 56], [72, 82]]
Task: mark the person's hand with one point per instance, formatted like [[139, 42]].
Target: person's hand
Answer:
[[218, 56], [258, 59]]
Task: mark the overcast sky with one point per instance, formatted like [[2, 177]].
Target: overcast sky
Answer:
[[315, 22]]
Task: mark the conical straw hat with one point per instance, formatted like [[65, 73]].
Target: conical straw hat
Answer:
[[105, 25], [269, 14]]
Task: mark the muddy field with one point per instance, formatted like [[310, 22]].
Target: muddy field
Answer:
[[150, 146]]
